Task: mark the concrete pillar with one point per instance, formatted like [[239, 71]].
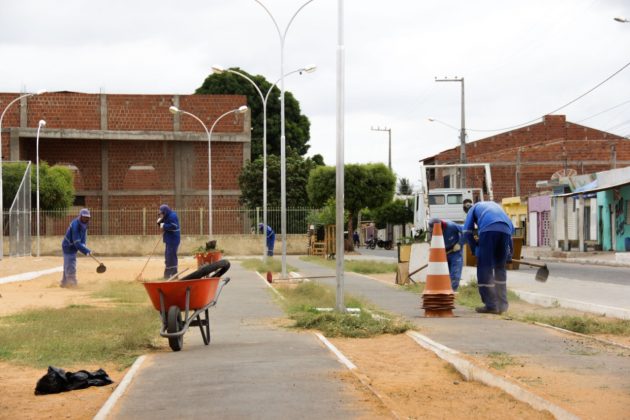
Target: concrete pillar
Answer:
[[565, 203], [581, 216], [554, 223], [103, 112], [105, 185]]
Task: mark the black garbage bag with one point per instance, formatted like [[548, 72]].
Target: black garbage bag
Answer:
[[58, 380]]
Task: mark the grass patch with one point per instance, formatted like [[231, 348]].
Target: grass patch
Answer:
[[273, 265], [500, 360], [468, 295], [122, 292], [301, 302], [356, 266], [416, 288], [81, 334], [584, 324]]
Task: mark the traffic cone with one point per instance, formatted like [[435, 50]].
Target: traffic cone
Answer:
[[438, 299]]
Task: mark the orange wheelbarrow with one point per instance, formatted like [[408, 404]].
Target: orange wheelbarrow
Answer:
[[191, 296]]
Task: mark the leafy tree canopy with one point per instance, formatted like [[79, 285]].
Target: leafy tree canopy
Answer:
[[297, 126], [297, 173], [404, 187], [56, 188], [396, 212]]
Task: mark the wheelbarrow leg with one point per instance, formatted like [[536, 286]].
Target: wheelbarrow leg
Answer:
[[204, 326]]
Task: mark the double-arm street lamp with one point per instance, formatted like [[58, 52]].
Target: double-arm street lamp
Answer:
[[462, 132], [264, 99], [41, 125], [1, 185], [283, 164], [240, 110]]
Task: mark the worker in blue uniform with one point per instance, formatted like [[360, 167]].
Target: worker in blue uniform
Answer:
[[271, 237], [493, 250], [169, 223], [453, 242], [73, 242]]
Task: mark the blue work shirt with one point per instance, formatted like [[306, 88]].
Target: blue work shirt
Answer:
[[452, 232], [75, 238], [489, 217], [171, 233]]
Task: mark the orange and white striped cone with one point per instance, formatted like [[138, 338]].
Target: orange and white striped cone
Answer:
[[438, 299]]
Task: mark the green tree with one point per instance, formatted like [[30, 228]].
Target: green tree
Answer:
[[365, 185], [404, 187], [297, 126], [298, 169], [56, 189], [397, 212]]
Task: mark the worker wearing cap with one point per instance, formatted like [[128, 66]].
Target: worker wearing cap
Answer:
[[453, 241], [169, 223], [493, 251], [271, 238], [73, 242]]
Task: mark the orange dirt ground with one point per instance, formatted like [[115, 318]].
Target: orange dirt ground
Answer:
[[410, 382]]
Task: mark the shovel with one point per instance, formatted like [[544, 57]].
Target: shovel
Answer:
[[541, 274], [101, 267]]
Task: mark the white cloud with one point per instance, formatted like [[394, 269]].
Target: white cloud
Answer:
[[519, 60]]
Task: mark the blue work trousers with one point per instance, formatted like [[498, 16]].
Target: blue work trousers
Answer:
[[69, 278], [492, 255], [170, 260], [455, 266], [270, 243]]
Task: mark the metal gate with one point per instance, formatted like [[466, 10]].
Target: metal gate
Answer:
[[20, 218]]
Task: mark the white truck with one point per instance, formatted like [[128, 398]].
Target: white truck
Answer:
[[445, 203]]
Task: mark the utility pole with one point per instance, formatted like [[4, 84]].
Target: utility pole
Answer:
[[389, 131], [462, 132]]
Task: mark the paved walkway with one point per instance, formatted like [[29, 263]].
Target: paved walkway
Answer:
[[251, 369], [606, 367]]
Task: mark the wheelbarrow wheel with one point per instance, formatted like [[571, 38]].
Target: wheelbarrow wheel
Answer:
[[173, 325]]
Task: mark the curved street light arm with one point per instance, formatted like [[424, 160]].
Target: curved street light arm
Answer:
[[293, 17], [1, 185]]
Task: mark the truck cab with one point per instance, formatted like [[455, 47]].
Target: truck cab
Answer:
[[442, 203]]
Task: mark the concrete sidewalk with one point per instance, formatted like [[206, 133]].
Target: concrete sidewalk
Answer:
[[251, 369], [606, 368]]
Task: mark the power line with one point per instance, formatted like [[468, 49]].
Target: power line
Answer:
[[557, 109], [604, 111]]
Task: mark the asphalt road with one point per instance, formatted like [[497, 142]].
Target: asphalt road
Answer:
[[584, 272]]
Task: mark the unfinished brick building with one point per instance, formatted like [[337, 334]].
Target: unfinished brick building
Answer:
[[129, 151], [541, 151]]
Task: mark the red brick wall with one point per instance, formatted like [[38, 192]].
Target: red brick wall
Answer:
[[138, 113], [584, 149]]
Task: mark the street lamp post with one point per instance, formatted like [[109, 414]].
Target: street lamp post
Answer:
[[283, 163], [240, 110], [1, 185], [41, 124], [264, 99], [389, 131], [340, 176], [462, 133]]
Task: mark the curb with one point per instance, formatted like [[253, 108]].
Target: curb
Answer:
[[583, 261], [119, 391], [353, 369], [30, 275], [549, 301], [475, 373]]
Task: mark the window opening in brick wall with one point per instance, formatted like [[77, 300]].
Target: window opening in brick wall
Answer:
[[79, 201]]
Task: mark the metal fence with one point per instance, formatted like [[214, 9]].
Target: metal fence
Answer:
[[192, 221], [20, 218]]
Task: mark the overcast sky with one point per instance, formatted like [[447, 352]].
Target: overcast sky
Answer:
[[520, 60]]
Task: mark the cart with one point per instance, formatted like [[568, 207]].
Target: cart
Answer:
[[193, 295]]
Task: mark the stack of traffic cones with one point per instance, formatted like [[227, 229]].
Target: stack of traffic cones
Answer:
[[438, 299]]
